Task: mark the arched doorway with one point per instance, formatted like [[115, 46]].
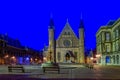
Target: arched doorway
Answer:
[[117, 59], [107, 59], [67, 57]]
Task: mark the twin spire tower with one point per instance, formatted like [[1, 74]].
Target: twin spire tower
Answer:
[[68, 47]]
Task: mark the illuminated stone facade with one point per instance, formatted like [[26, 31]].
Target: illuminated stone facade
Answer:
[[68, 48], [108, 43]]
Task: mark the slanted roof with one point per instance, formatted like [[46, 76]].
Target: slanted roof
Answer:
[[10, 41], [111, 22], [67, 28]]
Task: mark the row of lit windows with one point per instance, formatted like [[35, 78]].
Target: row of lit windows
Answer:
[[115, 35], [107, 48], [106, 37]]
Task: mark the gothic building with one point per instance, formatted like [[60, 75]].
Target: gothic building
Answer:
[[68, 48]]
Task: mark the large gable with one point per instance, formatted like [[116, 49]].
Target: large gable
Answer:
[[67, 37], [67, 31]]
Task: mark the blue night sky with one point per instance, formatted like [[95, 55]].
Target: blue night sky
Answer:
[[28, 21]]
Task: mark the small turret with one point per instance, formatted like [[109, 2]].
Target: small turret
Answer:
[[51, 48], [51, 24], [81, 41]]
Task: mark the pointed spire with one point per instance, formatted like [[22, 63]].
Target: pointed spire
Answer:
[[67, 20], [51, 24], [81, 16], [6, 34], [81, 21], [51, 15]]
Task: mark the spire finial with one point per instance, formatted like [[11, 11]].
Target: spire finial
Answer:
[[51, 24], [67, 20], [91, 49], [81, 21], [51, 15], [6, 34], [81, 16]]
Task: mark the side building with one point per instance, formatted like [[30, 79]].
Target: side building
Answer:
[[12, 52], [108, 43]]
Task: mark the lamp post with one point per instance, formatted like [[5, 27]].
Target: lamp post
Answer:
[[97, 57], [44, 59], [6, 58], [91, 60], [50, 56]]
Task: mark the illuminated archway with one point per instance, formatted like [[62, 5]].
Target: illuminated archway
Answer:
[[67, 57], [107, 59]]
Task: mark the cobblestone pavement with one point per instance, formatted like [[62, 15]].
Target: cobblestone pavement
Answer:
[[82, 73]]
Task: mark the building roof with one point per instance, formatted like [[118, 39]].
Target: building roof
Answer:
[[10, 41], [111, 22], [15, 43], [110, 25]]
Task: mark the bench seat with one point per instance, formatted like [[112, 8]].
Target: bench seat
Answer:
[[51, 67], [11, 68]]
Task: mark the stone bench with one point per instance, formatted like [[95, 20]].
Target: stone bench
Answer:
[[50, 67], [11, 68]]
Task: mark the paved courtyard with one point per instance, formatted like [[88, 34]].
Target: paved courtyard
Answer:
[[82, 73]]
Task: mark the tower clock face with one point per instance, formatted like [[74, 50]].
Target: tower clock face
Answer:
[[66, 43]]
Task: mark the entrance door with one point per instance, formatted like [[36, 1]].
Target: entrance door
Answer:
[[67, 57]]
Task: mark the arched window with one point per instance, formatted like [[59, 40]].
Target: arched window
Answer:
[[113, 59], [107, 35], [117, 33], [65, 33], [68, 33]]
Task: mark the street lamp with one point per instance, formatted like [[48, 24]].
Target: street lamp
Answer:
[[6, 56], [97, 57], [6, 59], [91, 59], [44, 59], [13, 57], [50, 56]]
